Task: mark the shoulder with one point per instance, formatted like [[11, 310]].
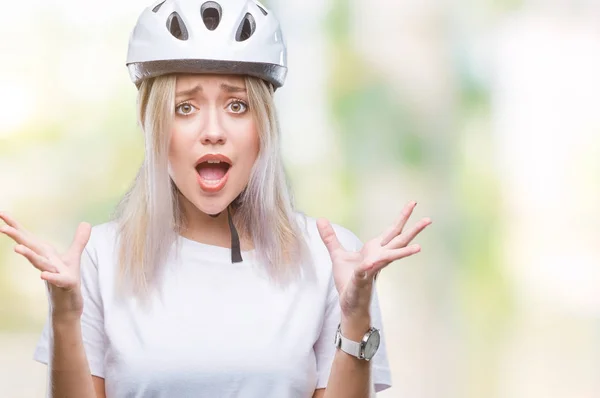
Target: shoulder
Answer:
[[105, 232], [347, 238], [103, 239]]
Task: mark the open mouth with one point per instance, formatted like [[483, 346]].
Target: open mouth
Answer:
[[212, 170], [213, 173]]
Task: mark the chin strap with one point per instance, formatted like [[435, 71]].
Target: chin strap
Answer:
[[236, 252]]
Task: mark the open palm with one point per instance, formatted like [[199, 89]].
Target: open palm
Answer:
[[61, 271], [354, 272]]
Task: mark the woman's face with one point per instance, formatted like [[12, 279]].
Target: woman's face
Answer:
[[214, 140]]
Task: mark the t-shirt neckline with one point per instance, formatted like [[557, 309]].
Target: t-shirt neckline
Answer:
[[211, 252]]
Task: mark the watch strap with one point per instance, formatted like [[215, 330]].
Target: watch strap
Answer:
[[349, 346]]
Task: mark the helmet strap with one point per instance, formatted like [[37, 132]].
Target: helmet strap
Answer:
[[236, 252]]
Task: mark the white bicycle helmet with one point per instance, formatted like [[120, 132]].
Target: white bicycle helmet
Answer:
[[197, 36]]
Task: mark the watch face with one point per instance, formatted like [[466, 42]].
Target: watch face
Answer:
[[372, 345]]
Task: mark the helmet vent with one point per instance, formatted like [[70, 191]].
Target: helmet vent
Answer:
[[211, 14], [177, 27], [246, 28], [262, 9], [157, 7]]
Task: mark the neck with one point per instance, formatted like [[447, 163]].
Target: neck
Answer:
[[203, 228]]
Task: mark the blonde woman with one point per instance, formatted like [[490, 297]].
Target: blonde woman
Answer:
[[208, 283]]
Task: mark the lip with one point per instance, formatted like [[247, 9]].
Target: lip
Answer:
[[209, 188], [213, 156]]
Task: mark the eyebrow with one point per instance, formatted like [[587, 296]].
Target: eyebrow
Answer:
[[225, 87], [189, 92], [232, 89]]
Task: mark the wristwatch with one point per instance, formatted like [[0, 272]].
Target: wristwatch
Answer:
[[364, 349]]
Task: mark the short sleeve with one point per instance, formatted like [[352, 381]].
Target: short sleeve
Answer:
[[92, 319], [324, 347]]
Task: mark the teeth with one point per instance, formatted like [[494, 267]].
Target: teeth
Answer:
[[213, 161]]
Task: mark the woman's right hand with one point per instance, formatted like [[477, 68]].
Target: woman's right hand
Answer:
[[61, 271]]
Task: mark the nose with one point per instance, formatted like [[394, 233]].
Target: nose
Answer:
[[213, 132]]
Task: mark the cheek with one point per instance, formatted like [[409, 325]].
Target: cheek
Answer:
[[177, 149], [247, 146], [176, 140], [253, 146]]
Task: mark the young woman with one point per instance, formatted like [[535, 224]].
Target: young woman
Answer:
[[207, 282]]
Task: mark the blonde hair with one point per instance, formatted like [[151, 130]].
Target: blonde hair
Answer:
[[149, 216]]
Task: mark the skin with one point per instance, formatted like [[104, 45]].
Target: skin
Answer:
[[213, 117], [354, 274]]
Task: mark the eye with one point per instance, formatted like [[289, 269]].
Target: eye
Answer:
[[185, 109], [237, 106]]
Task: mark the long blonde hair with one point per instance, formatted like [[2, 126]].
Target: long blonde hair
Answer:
[[149, 216]]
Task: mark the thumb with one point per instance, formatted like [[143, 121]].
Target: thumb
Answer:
[[328, 236], [82, 236]]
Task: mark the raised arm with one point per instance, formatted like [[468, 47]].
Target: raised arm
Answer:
[[68, 370], [354, 273]]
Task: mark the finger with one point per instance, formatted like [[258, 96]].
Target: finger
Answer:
[[389, 257], [397, 254], [393, 255], [403, 240], [9, 220], [82, 236], [57, 280], [23, 238], [328, 236], [35, 259], [398, 226]]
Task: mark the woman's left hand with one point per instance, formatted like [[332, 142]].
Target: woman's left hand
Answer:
[[354, 272]]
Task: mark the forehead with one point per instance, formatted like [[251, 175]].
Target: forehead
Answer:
[[185, 81]]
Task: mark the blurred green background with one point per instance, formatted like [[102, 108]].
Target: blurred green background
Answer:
[[485, 112]]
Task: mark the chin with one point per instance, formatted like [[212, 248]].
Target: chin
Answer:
[[212, 206], [211, 203]]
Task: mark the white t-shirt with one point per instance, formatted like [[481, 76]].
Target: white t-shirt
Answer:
[[219, 330]]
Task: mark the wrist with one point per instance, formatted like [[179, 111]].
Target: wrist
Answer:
[[65, 319], [355, 328]]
